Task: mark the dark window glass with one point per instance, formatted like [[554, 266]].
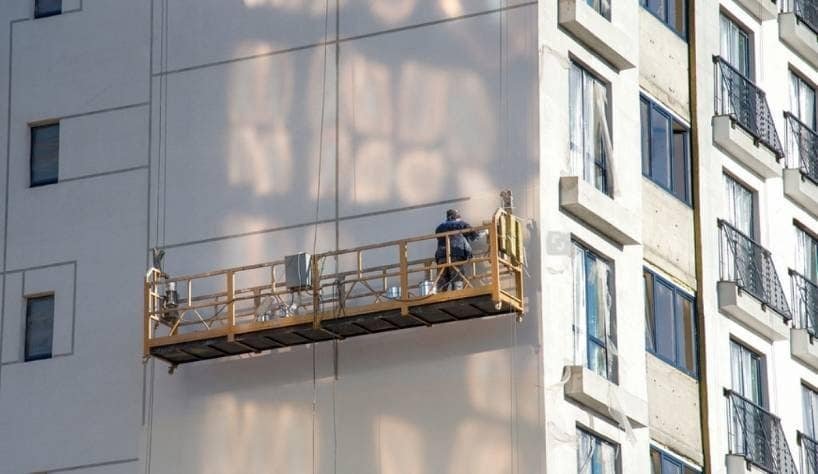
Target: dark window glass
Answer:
[[663, 463], [44, 8], [671, 12], [660, 148], [665, 150], [45, 154], [39, 327], [679, 163], [670, 324], [664, 321], [644, 112]]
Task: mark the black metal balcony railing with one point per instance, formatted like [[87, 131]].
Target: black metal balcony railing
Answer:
[[806, 11], [805, 302], [802, 147], [756, 434], [751, 267], [738, 97], [809, 454]]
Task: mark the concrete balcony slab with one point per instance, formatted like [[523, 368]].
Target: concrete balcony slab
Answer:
[[738, 464], [745, 148], [761, 9], [747, 310], [801, 190], [600, 34], [604, 397], [798, 36], [599, 211], [803, 347]]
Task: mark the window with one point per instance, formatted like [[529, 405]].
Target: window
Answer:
[[802, 100], [39, 327], [45, 154], [806, 255], [595, 455], [739, 206], [594, 319], [809, 447], [665, 150], [44, 8], [736, 47], [747, 370], [603, 7], [589, 134], [670, 323], [663, 463], [673, 13]]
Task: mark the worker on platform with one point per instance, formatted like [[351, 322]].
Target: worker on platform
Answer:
[[460, 249]]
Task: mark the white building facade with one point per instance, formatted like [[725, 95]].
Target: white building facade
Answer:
[[668, 205]]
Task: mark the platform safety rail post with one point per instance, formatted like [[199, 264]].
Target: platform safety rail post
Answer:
[[231, 305], [494, 258], [404, 279]]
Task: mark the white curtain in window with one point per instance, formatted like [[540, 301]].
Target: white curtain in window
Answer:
[[590, 129], [793, 158], [604, 304], [603, 131], [585, 453], [580, 342], [608, 458], [576, 137], [739, 206]]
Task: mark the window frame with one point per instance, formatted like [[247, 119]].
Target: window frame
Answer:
[[33, 128], [750, 38], [597, 441], [762, 373], [684, 467], [611, 360], [47, 13], [602, 161], [681, 34], [755, 218], [803, 82], [678, 323], [27, 357], [672, 123]]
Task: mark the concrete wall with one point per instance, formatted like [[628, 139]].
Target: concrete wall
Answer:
[[201, 127]]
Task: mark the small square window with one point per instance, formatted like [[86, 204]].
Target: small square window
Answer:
[[39, 327], [45, 154], [44, 8]]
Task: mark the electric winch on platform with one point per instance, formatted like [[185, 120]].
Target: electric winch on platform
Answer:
[[307, 298]]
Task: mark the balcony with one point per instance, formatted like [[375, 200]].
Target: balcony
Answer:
[[805, 305], [798, 28], [599, 211], [756, 437], [761, 9], [809, 453], [749, 289], [801, 175], [603, 396], [376, 288], [743, 125], [595, 29]]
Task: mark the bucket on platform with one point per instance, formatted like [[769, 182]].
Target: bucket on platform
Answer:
[[426, 288], [393, 292]]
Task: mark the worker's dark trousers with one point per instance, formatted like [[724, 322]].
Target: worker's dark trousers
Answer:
[[449, 275]]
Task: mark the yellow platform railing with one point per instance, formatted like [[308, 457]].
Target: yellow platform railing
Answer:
[[371, 279]]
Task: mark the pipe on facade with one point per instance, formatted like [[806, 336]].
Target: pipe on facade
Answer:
[[698, 234]]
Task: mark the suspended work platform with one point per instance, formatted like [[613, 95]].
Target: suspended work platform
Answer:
[[306, 299]]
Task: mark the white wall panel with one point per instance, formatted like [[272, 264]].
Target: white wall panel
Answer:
[[242, 149]]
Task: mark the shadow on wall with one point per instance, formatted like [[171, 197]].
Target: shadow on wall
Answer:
[[424, 115]]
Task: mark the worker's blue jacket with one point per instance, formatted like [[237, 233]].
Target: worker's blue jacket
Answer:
[[459, 243]]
